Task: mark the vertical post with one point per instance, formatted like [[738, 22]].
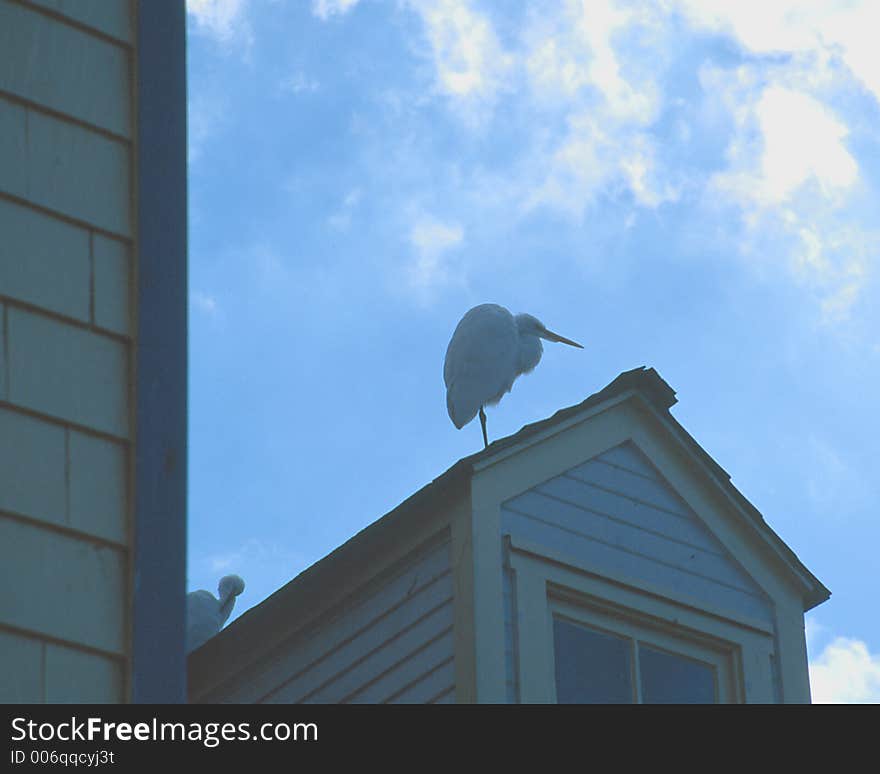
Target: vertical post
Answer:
[[160, 472]]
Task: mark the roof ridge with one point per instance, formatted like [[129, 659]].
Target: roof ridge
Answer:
[[641, 378]]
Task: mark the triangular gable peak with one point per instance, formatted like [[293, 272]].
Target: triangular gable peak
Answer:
[[617, 516], [613, 505], [628, 424]]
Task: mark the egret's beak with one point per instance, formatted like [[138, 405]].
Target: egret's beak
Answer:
[[550, 336]]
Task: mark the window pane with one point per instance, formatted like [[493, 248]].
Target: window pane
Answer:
[[591, 667], [669, 679]]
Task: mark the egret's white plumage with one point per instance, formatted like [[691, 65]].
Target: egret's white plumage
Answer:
[[206, 614], [489, 349]]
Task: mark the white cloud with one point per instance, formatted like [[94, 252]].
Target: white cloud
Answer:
[[581, 82], [836, 258], [797, 141], [592, 159], [608, 101], [470, 64], [324, 9], [432, 240], [594, 26], [837, 305], [824, 250], [223, 20], [816, 28], [597, 64], [794, 181], [835, 477], [300, 83], [272, 271], [252, 551], [205, 116], [845, 672], [205, 303], [341, 219], [814, 631], [563, 69]]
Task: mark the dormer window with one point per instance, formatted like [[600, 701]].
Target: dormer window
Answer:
[[601, 666], [604, 655]]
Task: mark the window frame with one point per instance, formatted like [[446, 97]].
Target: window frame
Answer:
[[543, 582], [663, 638]]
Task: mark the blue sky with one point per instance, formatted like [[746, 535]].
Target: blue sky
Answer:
[[691, 185]]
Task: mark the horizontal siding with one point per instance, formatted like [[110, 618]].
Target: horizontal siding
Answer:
[[393, 644], [43, 354], [628, 458], [574, 517], [63, 477], [65, 167], [84, 77], [97, 486], [447, 697], [33, 459], [3, 373], [91, 274], [408, 669], [639, 490], [74, 676], [626, 499], [112, 285], [22, 680], [36, 671], [72, 586], [108, 17], [615, 513], [36, 246], [14, 148], [352, 665], [427, 687]]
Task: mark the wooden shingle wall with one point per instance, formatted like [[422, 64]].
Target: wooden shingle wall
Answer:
[[66, 337]]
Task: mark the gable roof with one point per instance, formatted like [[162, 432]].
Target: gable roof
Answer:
[[651, 386], [306, 586]]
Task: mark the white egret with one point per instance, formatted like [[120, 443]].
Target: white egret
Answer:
[[489, 349], [205, 614]]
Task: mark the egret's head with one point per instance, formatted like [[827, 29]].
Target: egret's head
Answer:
[[230, 586], [529, 325]]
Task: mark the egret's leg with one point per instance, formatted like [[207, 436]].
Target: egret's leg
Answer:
[[483, 425]]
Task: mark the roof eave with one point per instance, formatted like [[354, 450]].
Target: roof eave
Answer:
[[813, 590], [234, 646]]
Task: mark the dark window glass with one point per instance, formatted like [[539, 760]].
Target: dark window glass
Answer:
[[669, 679], [591, 667]]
